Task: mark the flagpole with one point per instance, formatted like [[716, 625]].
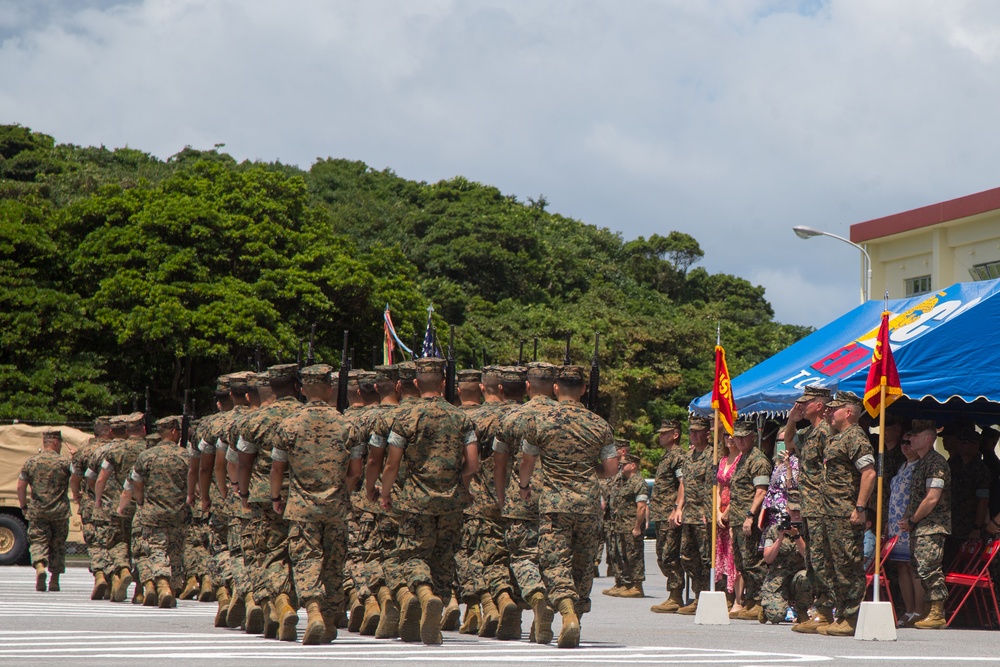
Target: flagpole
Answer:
[[878, 493], [715, 499]]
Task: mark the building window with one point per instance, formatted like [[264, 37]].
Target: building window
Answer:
[[919, 285], [987, 271]]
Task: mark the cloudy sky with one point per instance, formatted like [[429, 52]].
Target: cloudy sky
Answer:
[[731, 120]]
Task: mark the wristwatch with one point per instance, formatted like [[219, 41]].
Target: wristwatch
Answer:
[[860, 508], [749, 514]]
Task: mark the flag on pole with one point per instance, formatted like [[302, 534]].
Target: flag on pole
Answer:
[[722, 391], [391, 338], [882, 372], [430, 347]]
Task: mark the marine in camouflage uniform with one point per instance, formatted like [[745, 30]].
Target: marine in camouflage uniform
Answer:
[[609, 489], [468, 567], [140, 550], [929, 526], [663, 509], [159, 484], [696, 511], [47, 509], [630, 502], [787, 582], [322, 453], [438, 443], [847, 483], [569, 441], [749, 483], [521, 515], [274, 589], [108, 528], [83, 495]]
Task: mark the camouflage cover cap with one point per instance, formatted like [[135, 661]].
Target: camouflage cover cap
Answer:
[[239, 382], [166, 423], [51, 435], [366, 377], [622, 443], [812, 393], [316, 374], [744, 428], [134, 419], [572, 373], [103, 420], [794, 500], [469, 375], [495, 372], [255, 380], [696, 423], [223, 383], [513, 373], [152, 438], [669, 425], [117, 421], [387, 373], [845, 398], [541, 370], [920, 425], [407, 370], [632, 458], [282, 371], [430, 365]]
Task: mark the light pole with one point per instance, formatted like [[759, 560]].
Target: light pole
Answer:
[[808, 232]]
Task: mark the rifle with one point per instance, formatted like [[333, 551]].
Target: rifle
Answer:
[[520, 353], [345, 368], [534, 357], [298, 356], [566, 359], [147, 418], [449, 381], [595, 375], [257, 358], [185, 422], [311, 354]]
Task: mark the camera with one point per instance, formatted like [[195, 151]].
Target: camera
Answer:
[[785, 522]]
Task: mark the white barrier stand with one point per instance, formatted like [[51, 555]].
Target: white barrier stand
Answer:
[[712, 609], [875, 622]]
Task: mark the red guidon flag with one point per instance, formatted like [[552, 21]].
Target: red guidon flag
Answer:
[[722, 391], [882, 373]]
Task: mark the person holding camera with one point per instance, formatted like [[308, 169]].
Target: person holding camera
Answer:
[[787, 582]]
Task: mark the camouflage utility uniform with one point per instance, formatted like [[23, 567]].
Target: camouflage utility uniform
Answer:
[[48, 508]]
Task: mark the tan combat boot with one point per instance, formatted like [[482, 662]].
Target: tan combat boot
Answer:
[[221, 614], [670, 605], [112, 586], [165, 596], [934, 619], [356, 613], [510, 618], [315, 625], [288, 619], [751, 612], [409, 615], [206, 594], [541, 627], [40, 576], [430, 615], [633, 591], [237, 612], [569, 634], [138, 595], [824, 616], [388, 621], [369, 622], [844, 627], [54, 582], [689, 609], [470, 625], [254, 616], [149, 594], [330, 623], [271, 621], [613, 591], [490, 616], [451, 614], [120, 590], [191, 588], [100, 586]]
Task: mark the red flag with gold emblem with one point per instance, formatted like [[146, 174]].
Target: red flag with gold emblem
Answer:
[[882, 372], [722, 391]]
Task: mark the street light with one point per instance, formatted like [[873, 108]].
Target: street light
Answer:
[[808, 232]]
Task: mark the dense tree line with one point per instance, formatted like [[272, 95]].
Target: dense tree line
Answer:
[[119, 270]]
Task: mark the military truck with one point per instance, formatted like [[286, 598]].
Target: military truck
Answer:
[[18, 442]]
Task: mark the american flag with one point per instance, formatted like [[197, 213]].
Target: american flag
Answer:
[[430, 347]]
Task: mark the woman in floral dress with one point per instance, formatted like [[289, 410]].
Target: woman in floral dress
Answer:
[[724, 563]]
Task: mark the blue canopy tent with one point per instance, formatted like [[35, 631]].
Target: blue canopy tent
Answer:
[[946, 345]]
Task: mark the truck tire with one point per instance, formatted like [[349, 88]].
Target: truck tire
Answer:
[[13, 540]]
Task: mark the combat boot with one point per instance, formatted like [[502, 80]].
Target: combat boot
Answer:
[[138, 595], [934, 619], [451, 614], [54, 582], [510, 618], [845, 627], [165, 596], [315, 625], [490, 616], [100, 586], [40, 577], [206, 594], [254, 616], [271, 621], [191, 589], [430, 615], [541, 626], [409, 615], [470, 625], [633, 591], [237, 612], [690, 609], [670, 605], [569, 634], [221, 620], [330, 625], [369, 621], [824, 616], [120, 590], [287, 619], [751, 612], [112, 586], [149, 594], [388, 621], [356, 613], [613, 591]]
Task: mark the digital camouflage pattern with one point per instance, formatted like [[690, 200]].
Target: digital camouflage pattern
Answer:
[[666, 483], [318, 550], [836, 549], [749, 560], [511, 431], [696, 554], [668, 554], [752, 471], [628, 495], [697, 473], [259, 436], [844, 456], [425, 552], [926, 556], [119, 459], [521, 539], [47, 473], [486, 419], [786, 583], [811, 443], [567, 547], [163, 471], [931, 471]]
